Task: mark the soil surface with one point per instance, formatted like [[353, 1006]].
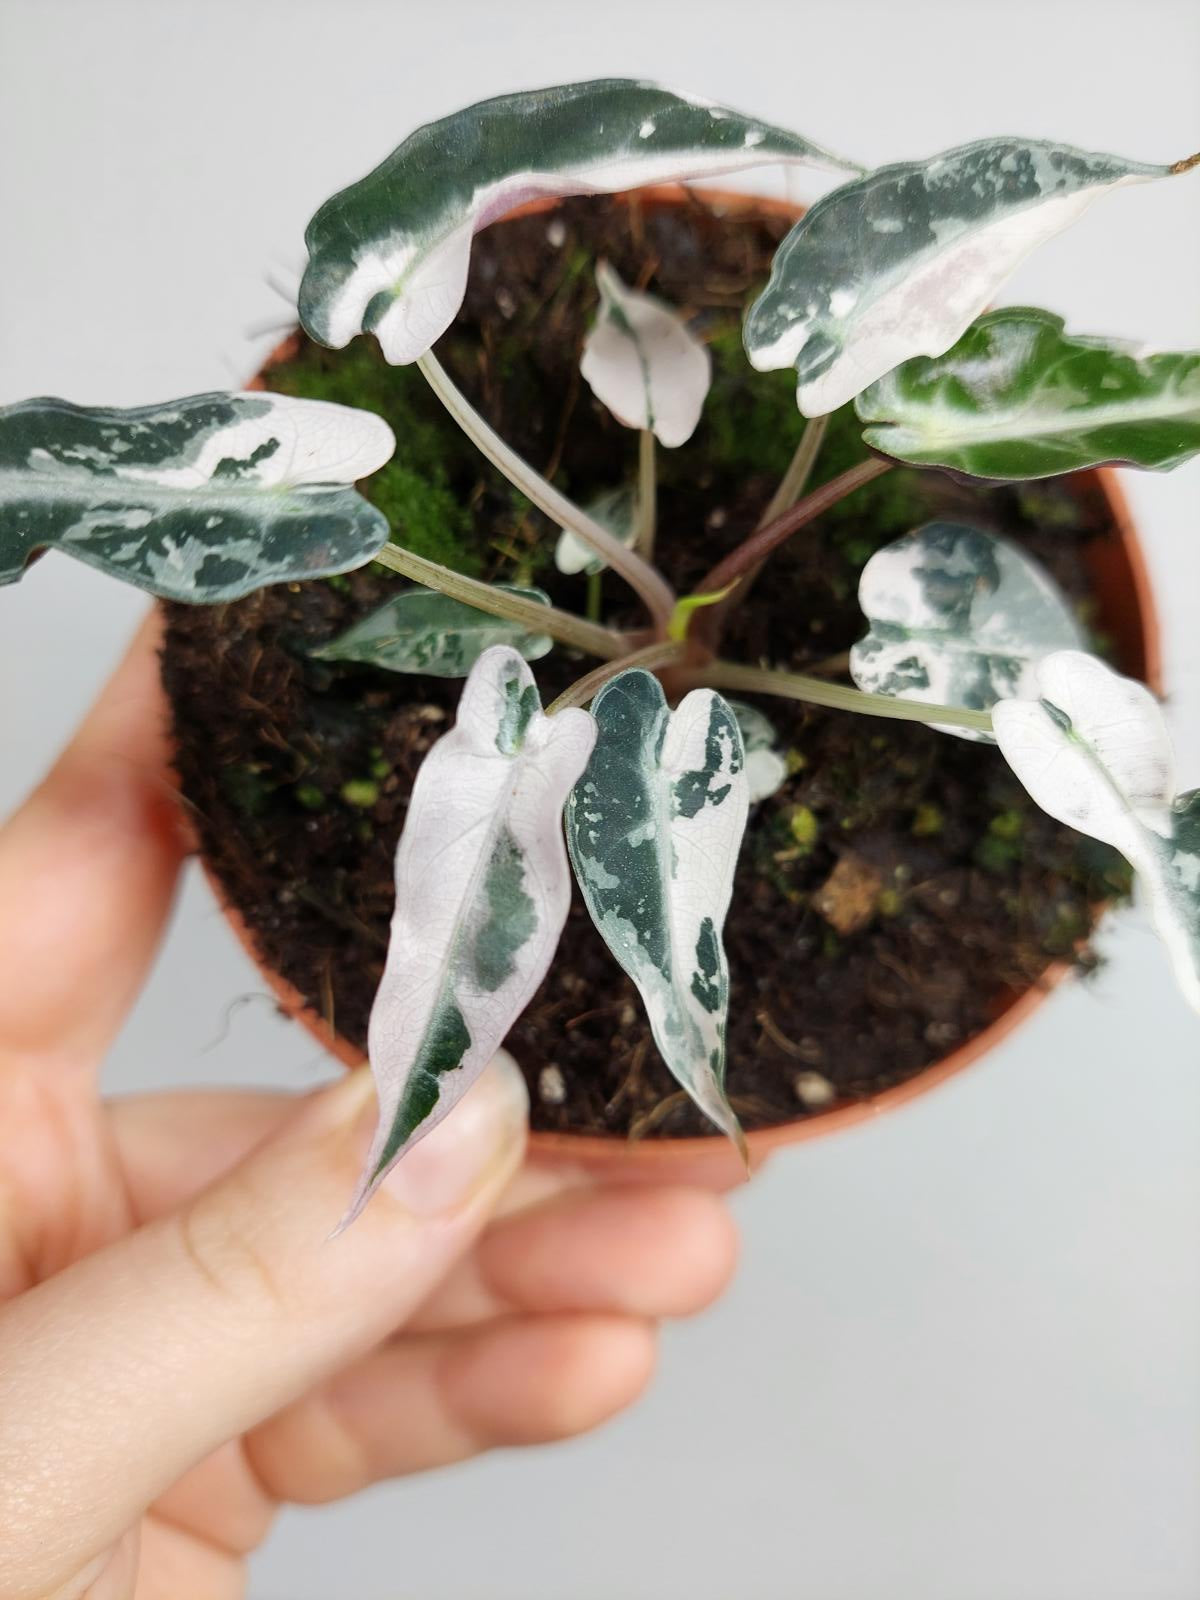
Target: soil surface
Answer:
[[890, 897]]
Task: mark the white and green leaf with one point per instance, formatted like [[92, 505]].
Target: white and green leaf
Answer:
[[423, 631], [201, 499], [389, 254], [482, 890], [615, 510], [654, 827], [766, 765], [1093, 750], [644, 363], [1019, 397], [958, 617], [898, 263]]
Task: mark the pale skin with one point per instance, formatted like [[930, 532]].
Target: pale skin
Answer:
[[181, 1350]]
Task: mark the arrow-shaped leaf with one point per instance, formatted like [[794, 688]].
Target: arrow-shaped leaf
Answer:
[[389, 254], [644, 363], [482, 890], [654, 827], [201, 499], [898, 263], [615, 510], [958, 617], [423, 631], [1094, 751], [1018, 397]]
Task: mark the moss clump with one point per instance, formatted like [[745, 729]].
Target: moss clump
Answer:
[[750, 421]]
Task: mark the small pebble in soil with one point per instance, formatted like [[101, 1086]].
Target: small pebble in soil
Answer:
[[552, 1086], [813, 1091]]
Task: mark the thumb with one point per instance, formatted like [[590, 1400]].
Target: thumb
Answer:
[[124, 1370]]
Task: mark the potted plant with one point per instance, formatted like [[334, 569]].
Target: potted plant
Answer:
[[894, 882]]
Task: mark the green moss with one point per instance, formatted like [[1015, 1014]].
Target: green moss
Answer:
[[425, 516], [750, 419]]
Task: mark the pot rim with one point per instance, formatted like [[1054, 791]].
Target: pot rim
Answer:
[[1142, 639]]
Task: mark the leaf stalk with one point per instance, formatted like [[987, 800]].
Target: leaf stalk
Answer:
[[836, 696], [647, 495], [652, 588], [586, 688], [560, 625]]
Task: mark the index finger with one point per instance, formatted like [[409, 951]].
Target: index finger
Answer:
[[88, 867]]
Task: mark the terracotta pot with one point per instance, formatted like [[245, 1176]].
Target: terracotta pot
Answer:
[[1126, 609]]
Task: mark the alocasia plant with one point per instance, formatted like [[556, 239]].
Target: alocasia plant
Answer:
[[878, 295]]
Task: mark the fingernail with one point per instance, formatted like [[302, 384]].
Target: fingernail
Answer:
[[481, 1138]]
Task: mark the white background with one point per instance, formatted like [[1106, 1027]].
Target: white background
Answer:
[[962, 1358]]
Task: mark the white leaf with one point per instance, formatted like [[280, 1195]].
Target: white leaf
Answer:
[[482, 890], [615, 510], [643, 362], [1093, 750]]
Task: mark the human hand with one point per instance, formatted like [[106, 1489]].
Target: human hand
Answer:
[[182, 1349]]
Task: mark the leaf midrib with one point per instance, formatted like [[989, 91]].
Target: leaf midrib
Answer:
[[1104, 417]]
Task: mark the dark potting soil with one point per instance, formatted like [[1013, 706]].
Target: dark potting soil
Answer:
[[889, 898]]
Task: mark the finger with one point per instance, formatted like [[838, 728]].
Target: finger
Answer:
[[428, 1402], [649, 1252], [554, 1244], [172, 1144], [211, 1319], [88, 867]]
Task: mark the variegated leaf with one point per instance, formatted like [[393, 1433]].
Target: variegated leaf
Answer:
[[1093, 750], [958, 617], [482, 890], [643, 362], [766, 767], [1018, 397], [201, 499], [423, 631], [389, 254], [615, 510], [898, 263], [654, 827]]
